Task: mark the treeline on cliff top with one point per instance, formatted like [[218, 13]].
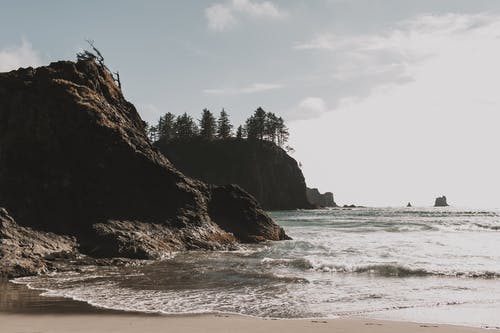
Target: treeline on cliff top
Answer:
[[261, 125]]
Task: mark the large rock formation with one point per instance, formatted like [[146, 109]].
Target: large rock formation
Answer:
[[74, 159], [441, 202], [320, 199], [260, 167]]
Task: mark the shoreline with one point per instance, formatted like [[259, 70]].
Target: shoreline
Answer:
[[23, 310]]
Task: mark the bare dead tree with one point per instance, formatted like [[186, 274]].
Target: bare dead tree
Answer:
[[96, 56], [99, 57], [116, 77]]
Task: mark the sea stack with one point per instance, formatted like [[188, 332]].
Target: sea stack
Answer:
[[409, 205], [75, 160], [441, 202], [320, 199]]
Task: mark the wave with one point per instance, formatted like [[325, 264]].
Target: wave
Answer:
[[388, 270], [381, 270], [300, 263]]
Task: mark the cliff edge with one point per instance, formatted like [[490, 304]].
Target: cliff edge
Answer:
[[260, 167]]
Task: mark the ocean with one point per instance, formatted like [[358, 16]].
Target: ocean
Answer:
[[434, 265]]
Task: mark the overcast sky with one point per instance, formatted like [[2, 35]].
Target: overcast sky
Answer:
[[388, 101]]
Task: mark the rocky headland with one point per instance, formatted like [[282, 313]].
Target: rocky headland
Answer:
[[79, 176], [260, 167]]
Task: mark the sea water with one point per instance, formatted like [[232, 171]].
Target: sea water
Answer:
[[435, 265]]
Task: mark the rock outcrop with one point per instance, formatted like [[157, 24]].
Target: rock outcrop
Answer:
[[23, 250], [320, 199], [409, 205], [263, 169], [441, 202], [75, 160]]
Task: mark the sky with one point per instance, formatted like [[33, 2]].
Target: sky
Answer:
[[387, 101]]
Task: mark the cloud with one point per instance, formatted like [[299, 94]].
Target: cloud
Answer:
[[250, 89], [309, 107], [355, 66], [18, 56], [222, 16]]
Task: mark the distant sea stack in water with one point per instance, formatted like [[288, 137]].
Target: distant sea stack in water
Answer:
[[320, 199], [260, 167], [409, 205], [441, 202], [75, 160]]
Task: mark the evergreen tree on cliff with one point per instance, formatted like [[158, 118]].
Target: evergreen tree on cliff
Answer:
[[282, 132], [224, 126], [166, 127], [256, 124], [239, 132], [208, 125], [185, 127], [271, 127]]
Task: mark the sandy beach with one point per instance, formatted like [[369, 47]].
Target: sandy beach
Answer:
[[24, 310], [96, 323]]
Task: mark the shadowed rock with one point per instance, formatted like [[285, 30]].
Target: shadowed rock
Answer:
[[74, 159], [259, 167]]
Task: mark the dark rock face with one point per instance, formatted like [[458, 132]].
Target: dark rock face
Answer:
[[74, 159], [23, 250], [318, 199], [243, 208], [409, 205], [441, 202], [264, 170]]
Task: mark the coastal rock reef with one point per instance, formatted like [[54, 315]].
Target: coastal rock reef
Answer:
[[320, 199], [441, 202], [260, 167], [76, 166]]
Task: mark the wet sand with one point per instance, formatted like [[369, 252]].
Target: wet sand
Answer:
[[24, 310]]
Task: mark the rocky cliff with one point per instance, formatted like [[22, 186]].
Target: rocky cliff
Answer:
[[320, 199], [74, 160], [441, 202], [260, 167]]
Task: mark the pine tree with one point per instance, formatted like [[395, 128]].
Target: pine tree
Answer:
[[239, 132], [151, 132], [283, 133], [166, 127], [260, 122], [224, 126], [185, 127], [251, 128], [271, 127], [208, 125]]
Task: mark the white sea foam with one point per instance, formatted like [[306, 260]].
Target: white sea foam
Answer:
[[371, 262]]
